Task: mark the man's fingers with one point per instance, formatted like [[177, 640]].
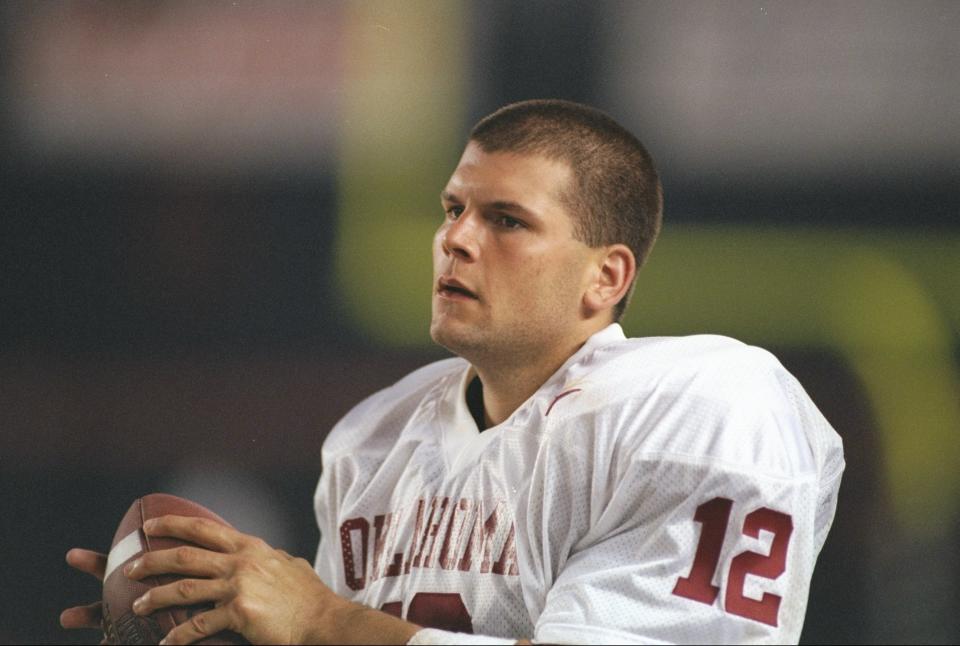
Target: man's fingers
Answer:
[[82, 616], [185, 592], [200, 531], [93, 563], [191, 561], [199, 626]]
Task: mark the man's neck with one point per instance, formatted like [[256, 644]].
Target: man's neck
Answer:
[[507, 385]]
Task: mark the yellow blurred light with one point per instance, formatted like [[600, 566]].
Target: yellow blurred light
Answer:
[[400, 134]]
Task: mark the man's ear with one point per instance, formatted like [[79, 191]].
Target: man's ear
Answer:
[[612, 279]]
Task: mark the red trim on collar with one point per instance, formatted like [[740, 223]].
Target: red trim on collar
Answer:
[[559, 397]]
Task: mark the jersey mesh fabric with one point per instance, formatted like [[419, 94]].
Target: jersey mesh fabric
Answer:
[[586, 497]]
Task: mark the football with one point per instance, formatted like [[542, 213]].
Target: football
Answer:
[[120, 624]]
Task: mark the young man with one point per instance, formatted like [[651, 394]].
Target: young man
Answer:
[[558, 481]]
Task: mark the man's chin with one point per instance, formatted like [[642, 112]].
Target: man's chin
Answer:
[[457, 337]]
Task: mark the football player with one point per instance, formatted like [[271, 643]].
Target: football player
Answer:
[[556, 481]]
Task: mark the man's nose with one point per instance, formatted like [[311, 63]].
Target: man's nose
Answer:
[[460, 238]]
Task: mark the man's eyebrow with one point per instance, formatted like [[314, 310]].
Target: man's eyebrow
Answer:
[[510, 206], [499, 205]]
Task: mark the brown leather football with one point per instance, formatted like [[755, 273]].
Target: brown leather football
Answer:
[[120, 624]]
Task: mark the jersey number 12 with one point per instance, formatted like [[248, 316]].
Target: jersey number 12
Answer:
[[714, 515]]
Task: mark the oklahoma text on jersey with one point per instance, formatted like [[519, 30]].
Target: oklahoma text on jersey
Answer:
[[459, 534]]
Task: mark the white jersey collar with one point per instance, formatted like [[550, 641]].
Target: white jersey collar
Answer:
[[458, 426]]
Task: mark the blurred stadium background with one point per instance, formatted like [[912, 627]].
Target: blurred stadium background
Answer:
[[215, 220]]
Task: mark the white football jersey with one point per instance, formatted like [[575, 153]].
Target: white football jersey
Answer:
[[652, 490]]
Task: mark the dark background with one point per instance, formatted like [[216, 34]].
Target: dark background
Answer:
[[184, 191]]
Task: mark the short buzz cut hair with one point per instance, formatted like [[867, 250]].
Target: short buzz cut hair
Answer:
[[616, 197]]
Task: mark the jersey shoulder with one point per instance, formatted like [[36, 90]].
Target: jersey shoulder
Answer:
[[706, 398], [707, 365], [374, 423]]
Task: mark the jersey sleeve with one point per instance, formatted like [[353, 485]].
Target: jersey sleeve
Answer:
[[705, 533], [688, 553], [335, 478]]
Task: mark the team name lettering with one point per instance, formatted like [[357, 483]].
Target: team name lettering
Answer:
[[441, 533]]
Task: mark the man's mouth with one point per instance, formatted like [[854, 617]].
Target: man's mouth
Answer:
[[451, 288]]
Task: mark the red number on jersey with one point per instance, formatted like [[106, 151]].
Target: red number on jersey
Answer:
[[768, 567], [441, 610], [714, 515], [393, 608]]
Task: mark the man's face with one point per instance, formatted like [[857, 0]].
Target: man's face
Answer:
[[508, 274]]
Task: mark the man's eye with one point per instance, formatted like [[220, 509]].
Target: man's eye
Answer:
[[454, 212], [507, 222]]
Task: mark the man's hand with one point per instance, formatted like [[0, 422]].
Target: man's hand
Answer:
[[258, 591], [261, 592], [94, 564]]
